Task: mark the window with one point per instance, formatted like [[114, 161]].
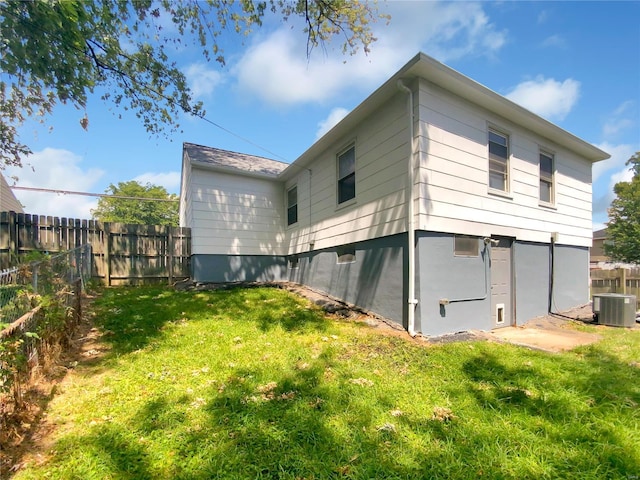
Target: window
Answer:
[[347, 175], [465, 246], [498, 161], [293, 262], [292, 205], [346, 255], [546, 177]]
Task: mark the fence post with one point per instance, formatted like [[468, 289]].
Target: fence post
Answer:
[[34, 278], [107, 253], [170, 254], [13, 240], [623, 280], [77, 290]]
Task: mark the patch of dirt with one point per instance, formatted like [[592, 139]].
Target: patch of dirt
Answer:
[[554, 332], [29, 432]]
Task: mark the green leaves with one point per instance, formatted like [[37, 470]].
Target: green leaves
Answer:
[[134, 210], [623, 228], [61, 50]]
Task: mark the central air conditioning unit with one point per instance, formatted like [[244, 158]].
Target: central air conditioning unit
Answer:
[[615, 309]]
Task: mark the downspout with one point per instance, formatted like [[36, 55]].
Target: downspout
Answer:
[[311, 237], [411, 231]]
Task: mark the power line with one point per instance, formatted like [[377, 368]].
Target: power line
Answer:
[[147, 85], [87, 194]]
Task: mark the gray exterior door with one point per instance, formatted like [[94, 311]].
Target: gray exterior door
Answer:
[[501, 283]]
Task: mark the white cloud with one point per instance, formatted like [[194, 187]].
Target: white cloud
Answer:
[[619, 156], [168, 180], [554, 41], [202, 80], [548, 98], [449, 31], [56, 169], [276, 69], [332, 119], [543, 16], [606, 174], [619, 120]]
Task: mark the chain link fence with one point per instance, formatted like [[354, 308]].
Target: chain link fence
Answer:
[[39, 310], [20, 286]]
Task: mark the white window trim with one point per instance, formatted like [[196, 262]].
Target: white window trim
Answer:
[[507, 193], [477, 251], [345, 149], [549, 153], [287, 206]]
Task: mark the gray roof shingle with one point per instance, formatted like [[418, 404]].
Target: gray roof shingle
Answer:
[[239, 162]]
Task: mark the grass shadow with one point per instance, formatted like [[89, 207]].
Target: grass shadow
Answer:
[[583, 405], [133, 317]]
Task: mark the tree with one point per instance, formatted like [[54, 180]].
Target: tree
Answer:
[[623, 228], [133, 209], [61, 51]]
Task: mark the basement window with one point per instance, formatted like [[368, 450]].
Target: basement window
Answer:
[[465, 246], [346, 255]]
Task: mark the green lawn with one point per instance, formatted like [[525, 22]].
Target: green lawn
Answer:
[[256, 384]]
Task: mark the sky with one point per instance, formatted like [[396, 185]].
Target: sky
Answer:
[[577, 64]]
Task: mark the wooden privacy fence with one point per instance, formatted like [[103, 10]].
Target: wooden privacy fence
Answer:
[[617, 280], [122, 254]]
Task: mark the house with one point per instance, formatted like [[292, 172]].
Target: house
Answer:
[[597, 255], [8, 201], [436, 203]]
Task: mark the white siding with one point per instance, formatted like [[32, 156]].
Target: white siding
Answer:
[[236, 215], [382, 149], [453, 177], [186, 212]]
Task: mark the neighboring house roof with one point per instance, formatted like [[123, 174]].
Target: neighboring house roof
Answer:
[[600, 234], [233, 162], [437, 73], [8, 201]]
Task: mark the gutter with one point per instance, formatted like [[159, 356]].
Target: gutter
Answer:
[[411, 231]]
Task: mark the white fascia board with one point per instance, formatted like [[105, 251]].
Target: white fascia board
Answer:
[[449, 79]]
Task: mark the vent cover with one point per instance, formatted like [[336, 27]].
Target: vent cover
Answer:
[[615, 309]]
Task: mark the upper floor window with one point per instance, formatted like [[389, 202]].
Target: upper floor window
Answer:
[[292, 205], [546, 177], [347, 175], [498, 161]]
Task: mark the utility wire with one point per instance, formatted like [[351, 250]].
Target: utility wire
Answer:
[[170, 100], [87, 194]]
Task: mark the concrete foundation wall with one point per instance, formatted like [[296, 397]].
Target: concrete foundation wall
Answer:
[[532, 279], [571, 272], [374, 281], [238, 268], [441, 275]]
